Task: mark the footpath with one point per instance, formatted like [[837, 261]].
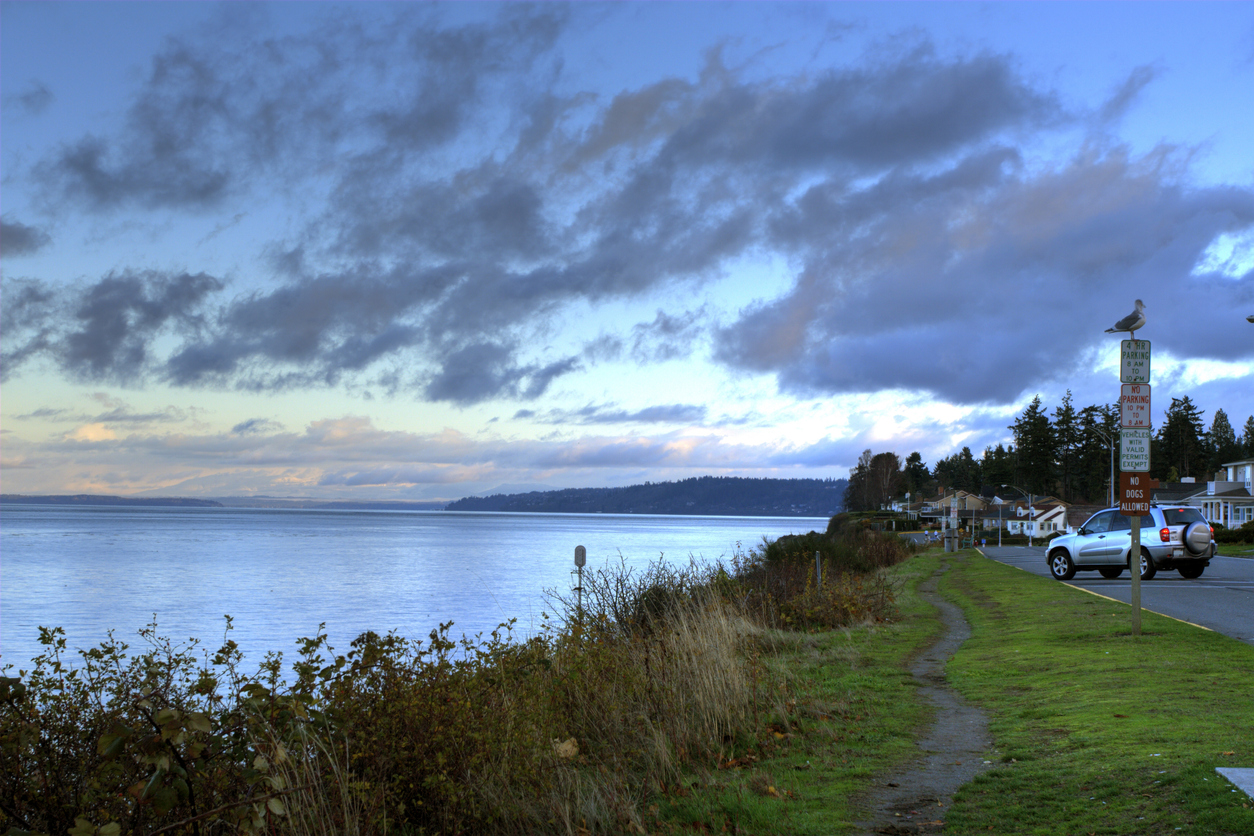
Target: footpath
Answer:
[[952, 752]]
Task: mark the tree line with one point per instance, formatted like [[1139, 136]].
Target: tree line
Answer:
[[699, 495], [1066, 454]]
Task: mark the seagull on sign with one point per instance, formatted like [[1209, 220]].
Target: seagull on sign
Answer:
[[1131, 322]]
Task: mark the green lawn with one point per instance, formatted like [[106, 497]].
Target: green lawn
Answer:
[[1098, 731], [1095, 731]]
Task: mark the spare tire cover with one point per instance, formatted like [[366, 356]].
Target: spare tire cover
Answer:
[[1197, 538]]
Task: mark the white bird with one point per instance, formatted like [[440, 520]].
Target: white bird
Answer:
[[1131, 322]]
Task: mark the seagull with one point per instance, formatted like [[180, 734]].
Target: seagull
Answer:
[[1131, 322]]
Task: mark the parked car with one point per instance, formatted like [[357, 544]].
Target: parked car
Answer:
[[1172, 537]]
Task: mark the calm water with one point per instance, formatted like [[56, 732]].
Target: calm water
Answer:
[[280, 573]]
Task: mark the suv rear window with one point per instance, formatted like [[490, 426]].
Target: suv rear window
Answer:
[[1182, 516]]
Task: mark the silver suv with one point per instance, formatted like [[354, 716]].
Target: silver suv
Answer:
[[1172, 537]]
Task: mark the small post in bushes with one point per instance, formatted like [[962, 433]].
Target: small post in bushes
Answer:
[[818, 571], [581, 557]]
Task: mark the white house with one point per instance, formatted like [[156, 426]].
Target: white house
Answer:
[[1229, 500]]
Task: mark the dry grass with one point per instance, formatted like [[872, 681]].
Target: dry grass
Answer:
[[572, 731]]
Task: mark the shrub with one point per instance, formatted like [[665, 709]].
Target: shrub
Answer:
[[567, 731]]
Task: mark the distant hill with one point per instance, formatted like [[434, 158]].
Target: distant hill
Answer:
[[705, 495], [100, 499]]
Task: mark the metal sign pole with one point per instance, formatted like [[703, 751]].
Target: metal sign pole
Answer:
[[1135, 428], [1134, 558], [581, 557]]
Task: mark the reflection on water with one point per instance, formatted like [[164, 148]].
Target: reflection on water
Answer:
[[279, 573]]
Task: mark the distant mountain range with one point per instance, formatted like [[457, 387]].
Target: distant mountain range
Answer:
[[99, 499], [705, 495], [729, 496]]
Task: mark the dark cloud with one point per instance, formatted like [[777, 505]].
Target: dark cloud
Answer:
[[33, 99], [256, 426], [212, 116], [116, 320], [27, 323], [961, 281], [683, 414], [103, 332], [19, 239], [1125, 96], [48, 413], [475, 196], [486, 370], [667, 337]]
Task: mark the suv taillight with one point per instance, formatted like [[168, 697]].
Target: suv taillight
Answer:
[[1164, 534]]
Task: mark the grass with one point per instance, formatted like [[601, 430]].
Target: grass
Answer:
[[1099, 731], [853, 713], [1237, 549], [1095, 731]]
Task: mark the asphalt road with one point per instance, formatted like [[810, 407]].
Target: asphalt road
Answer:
[[1222, 599]]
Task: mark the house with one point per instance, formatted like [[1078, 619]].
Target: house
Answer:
[[1045, 516], [1229, 499]]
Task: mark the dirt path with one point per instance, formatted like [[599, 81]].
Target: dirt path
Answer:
[[953, 751]]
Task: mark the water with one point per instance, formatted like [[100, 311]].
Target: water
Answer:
[[279, 573]]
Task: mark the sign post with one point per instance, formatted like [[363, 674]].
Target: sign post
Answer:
[[1134, 453], [581, 558]]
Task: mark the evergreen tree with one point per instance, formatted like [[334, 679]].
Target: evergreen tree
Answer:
[[858, 491], [1099, 441], [998, 466], [960, 472], [1247, 439], [1034, 439], [1180, 446], [918, 479], [1067, 444], [1221, 442]]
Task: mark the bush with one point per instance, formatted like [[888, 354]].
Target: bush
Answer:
[[568, 731], [1244, 534]]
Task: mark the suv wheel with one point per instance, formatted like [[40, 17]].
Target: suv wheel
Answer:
[[1192, 569], [1060, 566], [1110, 572], [1148, 569]]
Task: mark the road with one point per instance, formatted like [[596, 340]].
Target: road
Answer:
[[1222, 599]]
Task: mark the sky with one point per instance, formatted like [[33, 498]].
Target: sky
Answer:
[[423, 251]]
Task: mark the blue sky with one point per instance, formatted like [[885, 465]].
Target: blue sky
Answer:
[[422, 251]]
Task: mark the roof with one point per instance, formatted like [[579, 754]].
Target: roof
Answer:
[[1237, 462]]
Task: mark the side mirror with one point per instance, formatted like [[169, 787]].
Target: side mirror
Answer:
[[1083, 531]]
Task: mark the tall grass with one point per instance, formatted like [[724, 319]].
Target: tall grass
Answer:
[[570, 731]]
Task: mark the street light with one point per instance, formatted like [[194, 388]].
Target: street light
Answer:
[[1030, 512], [1000, 502], [1111, 442]]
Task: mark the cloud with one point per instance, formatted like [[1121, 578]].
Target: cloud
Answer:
[[486, 370], [461, 193], [17, 239], [256, 426], [683, 414], [102, 332], [667, 337], [958, 281], [116, 320], [1124, 97], [213, 117], [91, 433], [332, 457], [33, 99]]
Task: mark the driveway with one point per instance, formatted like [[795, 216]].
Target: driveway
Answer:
[[1222, 599]]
